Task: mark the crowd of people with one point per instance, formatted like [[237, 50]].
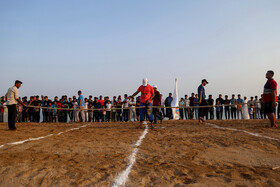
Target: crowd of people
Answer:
[[68, 109], [150, 105]]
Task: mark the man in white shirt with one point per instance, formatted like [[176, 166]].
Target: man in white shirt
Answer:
[[12, 99]]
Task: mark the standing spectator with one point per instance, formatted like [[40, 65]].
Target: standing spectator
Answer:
[[64, 105], [25, 117], [162, 106], [76, 110], [19, 112], [263, 116], [203, 111], [54, 112], [125, 108], [218, 110], [187, 107], [167, 103], [270, 97], [59, 111], [251, 111], [97, 112], [45, 103], [119, 109], [90, 107], [114, 105], [181, 108], [233, 108], [12, 99], [147, 95], [132, 110], [196, 104], [227, 110], [239, 106], [101, 101], [103, 113], [191, 106], [257, 107], [31, 109], [221, 101], [211, 108], [81, 105], [108, 110], [50, 111], [156, 103], [71, 111], [86, 109]]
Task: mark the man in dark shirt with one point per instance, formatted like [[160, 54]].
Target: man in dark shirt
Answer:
[[203, 111], [227, 111], [64, 112], [167, 103], [191, 106], [221, 102], [156, 103], [45, 103], [211, 109], [71, 106], [97, 105], [36, 113]]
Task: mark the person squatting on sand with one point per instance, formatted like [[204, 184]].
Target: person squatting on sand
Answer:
[[147, 95], [270, 97], [202, 101], [12, 99]]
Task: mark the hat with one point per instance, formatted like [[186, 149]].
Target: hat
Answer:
[[154, 86], [17, 81], [145, 81], [204, 80]]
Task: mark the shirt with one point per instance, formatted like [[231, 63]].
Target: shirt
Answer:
[[12, 95], [146, 93], [199, 89], [168, 101], [269, 87], [156, 99], [81, 97]]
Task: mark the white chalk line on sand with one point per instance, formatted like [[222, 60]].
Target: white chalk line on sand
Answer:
[[42, 137], [122, 178], [247, 132]]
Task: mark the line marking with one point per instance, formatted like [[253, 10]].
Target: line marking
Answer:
[[247, 132], [42, 137], [122, 178]]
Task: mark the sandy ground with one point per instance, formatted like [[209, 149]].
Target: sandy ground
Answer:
[[176, 153]]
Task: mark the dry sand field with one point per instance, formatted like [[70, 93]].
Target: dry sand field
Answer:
[[176, 153]]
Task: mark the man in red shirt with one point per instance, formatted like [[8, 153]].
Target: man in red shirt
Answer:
[[156, 103], [147, 95], [269, 97]]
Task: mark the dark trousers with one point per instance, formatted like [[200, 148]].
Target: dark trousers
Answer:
[[278, 111], [181, 111], [12, 115], [187, 113], [157, 115], [211, 113], [227, 112], [125, 114], [168, 112], [108, 115], [233, 112]]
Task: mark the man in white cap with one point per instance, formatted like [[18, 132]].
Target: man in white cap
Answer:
[[147, 95], [156, 103]]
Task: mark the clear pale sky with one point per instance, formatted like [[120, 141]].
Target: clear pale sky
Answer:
[[106, 47]]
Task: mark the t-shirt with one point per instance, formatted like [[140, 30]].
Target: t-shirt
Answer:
[[199, 89], [156, 99], [81, 97], [12, 95], [269, 87], [146, 93], [168, 101], [239, 101], [101, 102], [233, 101], [108, 107]]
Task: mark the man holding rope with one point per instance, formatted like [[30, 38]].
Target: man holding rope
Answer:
[[147, 95], [269, 97], [12, 99]]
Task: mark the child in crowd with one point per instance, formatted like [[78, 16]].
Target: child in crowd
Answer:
[[103, 113], [251, 111]]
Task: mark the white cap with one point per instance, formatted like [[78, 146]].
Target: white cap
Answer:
[[154, 86], [145, 81]]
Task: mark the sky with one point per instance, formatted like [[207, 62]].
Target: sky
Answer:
[[107, 47]]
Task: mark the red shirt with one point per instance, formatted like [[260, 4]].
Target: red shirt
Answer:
[[269, 87], [146, 93], [101, 102], [157, 99]]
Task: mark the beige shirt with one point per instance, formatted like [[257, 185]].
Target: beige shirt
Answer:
[[12, 95]]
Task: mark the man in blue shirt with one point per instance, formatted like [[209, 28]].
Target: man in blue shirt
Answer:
[[239, 106], [167, 103], [81, 106], [202, 101]]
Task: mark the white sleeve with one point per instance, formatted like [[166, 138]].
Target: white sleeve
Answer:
[[15, 90]]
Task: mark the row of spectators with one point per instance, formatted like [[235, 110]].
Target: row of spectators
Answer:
[[118, 109]]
